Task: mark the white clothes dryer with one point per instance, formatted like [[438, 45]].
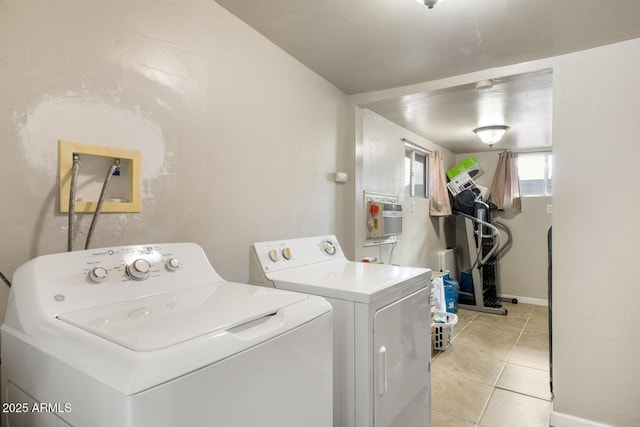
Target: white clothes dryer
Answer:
[[382, 340], [152, 336]]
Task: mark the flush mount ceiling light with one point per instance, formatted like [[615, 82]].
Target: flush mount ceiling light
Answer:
[[484, 85], [429, 3], [490, 134]]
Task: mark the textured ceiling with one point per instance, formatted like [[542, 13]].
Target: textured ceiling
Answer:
[[448, 117], [368, 45]]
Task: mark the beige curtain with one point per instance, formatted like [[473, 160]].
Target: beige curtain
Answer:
[[439, 204], [505, 189]]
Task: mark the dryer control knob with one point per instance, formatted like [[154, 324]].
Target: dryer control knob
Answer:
[[173, 264], [286, 253], [273, 254], [139, 269], [98, 274], [329, 247]]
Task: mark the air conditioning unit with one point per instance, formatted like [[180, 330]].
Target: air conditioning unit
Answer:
[[383, 219]]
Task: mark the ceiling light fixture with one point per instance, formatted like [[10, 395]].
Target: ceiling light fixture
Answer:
[[484, 85], [429, 3], [491, 134]]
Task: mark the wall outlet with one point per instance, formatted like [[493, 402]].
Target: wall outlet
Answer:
[[123, 194]]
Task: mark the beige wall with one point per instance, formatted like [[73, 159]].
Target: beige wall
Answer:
[[239, 141], [524, 269], [382, 171], [595, 242]]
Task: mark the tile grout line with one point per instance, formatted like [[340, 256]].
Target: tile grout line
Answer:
[[505, 362], [494, 387], [517, 364], [517, 340], [484, 408]]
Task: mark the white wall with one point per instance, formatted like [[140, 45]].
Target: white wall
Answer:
[[382, 171], [596, 233], [238, 139]]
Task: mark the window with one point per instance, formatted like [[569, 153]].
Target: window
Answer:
[[416, 171], [535, 174]]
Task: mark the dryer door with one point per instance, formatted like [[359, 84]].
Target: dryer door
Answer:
[[402, 354]]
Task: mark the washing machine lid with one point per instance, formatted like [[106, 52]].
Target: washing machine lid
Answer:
[[168, 319], [349, 280]]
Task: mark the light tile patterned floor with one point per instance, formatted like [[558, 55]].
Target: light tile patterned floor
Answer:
[[495, 373]]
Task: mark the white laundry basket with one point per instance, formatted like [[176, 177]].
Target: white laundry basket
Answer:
[[442, 332]]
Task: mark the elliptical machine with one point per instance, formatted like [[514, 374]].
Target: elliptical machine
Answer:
[[480, 285]]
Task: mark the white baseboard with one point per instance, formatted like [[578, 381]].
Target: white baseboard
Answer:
[[558, 419], [527, 300]]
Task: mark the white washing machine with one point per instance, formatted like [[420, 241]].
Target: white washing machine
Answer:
[[152, 336], [382, 332]]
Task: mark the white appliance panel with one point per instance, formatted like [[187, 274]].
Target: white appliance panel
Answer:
[[402, 352], [61, 283], [282, 382], [287, 254], [357, 292], [122, 349], [158, 321], [268, 379], [353, 281], [26, 403], [344, 387]]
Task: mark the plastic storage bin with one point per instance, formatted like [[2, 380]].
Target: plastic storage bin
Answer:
[[442, 332], [451, 293]]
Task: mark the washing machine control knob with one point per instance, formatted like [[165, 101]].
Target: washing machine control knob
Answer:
[[98, 274], [173, 264], [139, 269]]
